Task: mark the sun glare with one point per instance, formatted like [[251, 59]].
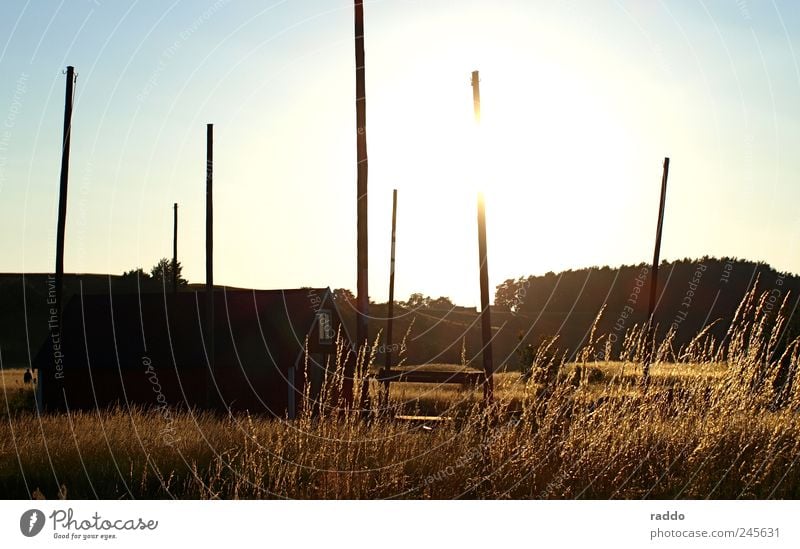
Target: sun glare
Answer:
[[549, 154]]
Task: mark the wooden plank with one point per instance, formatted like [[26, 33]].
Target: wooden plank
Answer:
[[425, 419], [427, 376]]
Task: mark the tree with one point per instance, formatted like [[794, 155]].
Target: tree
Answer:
[[136, 280], [136, 273], [344, 298], [162, 272], [417, 301], [510, 295], [440, 303]]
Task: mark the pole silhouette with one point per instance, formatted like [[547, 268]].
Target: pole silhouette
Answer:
[[390, 311], [362, 299], [210, 256], [390, 314], [486, 318], [651, 305], [56, 376], [175, 248]]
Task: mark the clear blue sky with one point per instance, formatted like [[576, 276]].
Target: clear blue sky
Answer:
[[581, 102]]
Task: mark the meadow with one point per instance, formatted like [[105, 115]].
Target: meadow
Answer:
[[719, 419]]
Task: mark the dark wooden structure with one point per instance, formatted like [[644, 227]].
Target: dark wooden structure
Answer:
[[147, 350]]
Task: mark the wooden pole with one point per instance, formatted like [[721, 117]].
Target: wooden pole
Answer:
[[476, 95], [175, 248], [210, 256], [56, 376], [486, 319], [62, 196], [651, 306], [390, 312], [390, 315], [362, 300]]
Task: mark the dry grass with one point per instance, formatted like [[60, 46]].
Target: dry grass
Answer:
[[16, 394], [712, 426]]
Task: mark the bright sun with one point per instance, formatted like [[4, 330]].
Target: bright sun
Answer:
[[548, 154]]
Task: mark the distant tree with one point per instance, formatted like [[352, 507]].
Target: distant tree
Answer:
[[136, 280], [162, 272], [440, 303], [504, 295], [510, 295], [417, 301], [344, 298], [136, 273]]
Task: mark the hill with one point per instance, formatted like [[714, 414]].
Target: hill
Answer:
[[692, 295]]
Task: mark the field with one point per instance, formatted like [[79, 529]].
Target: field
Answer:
[[725, 423]]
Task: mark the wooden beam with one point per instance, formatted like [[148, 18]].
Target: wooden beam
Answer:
[[431, 376]]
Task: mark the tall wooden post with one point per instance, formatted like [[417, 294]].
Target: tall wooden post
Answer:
[[362, 300], [210, 257], [486, 319], [55, 377], [476, 95], [651, 306], [62, 196], [390, 314], [175, 248]]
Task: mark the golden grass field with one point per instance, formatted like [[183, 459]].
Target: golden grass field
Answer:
[[714, 426]]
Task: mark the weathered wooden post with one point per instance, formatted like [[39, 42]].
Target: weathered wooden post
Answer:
[[175, 248], [390, 311], [362, 326], [362, 282], [650, 335], [486, 319], [210, 260], [53, 396]]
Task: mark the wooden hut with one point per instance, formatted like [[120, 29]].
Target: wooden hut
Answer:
[[149, 350]]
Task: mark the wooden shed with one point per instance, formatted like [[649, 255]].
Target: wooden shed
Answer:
[[150, 350]]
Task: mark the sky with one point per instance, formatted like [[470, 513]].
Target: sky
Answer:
[[581, 101]]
